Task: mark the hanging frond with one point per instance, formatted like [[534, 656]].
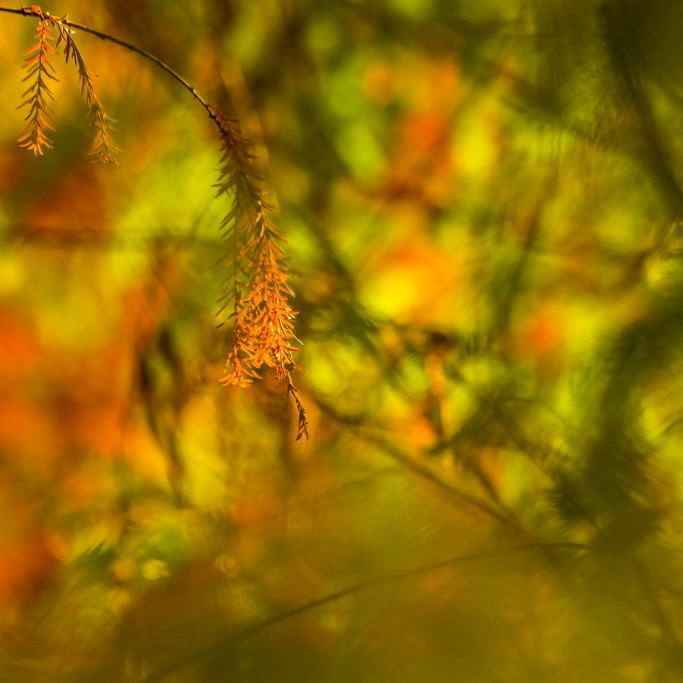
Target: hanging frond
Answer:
[[263, 320], [103, 147], [35, 135]]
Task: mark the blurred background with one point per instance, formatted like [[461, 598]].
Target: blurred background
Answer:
[[482, 201]]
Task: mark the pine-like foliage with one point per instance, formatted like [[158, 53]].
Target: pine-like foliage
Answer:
[[40, 70], [263, 319], [103, 146], [35, 136]]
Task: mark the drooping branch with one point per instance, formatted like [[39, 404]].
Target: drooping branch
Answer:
[[36, 11], [263, 319]]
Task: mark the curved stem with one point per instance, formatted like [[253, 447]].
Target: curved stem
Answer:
[[35, 11]]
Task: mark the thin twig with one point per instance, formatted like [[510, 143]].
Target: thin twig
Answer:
[[35, 11]]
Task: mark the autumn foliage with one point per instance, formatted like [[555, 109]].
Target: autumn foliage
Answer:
[[40, 71], [482, 203]]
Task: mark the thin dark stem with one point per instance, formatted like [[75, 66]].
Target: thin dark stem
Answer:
[[40, 14]]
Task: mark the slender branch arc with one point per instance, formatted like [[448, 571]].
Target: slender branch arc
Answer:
[[263, 319]]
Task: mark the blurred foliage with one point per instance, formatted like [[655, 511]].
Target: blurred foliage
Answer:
[[483, 209]]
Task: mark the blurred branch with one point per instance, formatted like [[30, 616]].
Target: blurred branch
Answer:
[[460, 498], [51, 237], [354, 590], [618, 33]]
